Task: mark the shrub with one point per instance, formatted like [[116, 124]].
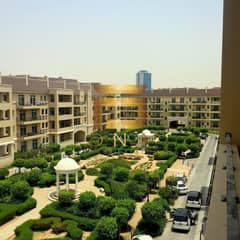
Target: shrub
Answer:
[[105, 205], [52, 148], [121, 215], [65, 198], [92, 171], [57, 156], [136, 191], [73, 231], [7, 212], [20, 190], [140, 176], [121, 174], [106, 169], [53, 210], [127, 203], [34, 176], [68, 151], [3, 173], [47, 180], [181, 148], [101, 184], [162, 155], [107, 228], [5, 186], [172, 139], [58, 227], [87, 200], [171, 146], [30, 203]]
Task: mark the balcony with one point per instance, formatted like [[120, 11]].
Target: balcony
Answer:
[[29, 120], [31, 135], [32, 105]]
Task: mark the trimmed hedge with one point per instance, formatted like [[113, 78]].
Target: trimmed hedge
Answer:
[[9, 211], [101, 184], [51, 210]]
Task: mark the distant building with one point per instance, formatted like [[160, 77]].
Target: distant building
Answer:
[[144, 78]]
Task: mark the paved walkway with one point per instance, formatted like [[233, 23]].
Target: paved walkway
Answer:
[[41, 194]]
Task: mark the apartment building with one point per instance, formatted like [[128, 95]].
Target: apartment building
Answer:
[[50, 110], [119, 106], [7, 125], [184, 106]]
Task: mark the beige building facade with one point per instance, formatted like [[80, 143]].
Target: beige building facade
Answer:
[[184, 106], [50, 110], [7, 125]]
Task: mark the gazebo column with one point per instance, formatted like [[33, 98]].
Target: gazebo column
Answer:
[[67, 181], [76, 182], [57, 184]]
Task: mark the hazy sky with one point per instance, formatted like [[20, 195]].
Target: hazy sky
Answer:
[[108, 41]]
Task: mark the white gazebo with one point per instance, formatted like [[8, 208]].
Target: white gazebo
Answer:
[[144, 137], [67, 166]]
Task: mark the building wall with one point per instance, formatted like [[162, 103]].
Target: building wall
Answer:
[[195, 111], [119, 106], [50, 111], [230, 113], [7, 126]]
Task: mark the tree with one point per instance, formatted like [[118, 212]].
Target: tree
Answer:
[[105, 205], [140, 176], [171, 181], [107, 228], [65, 198], [136, 191], [168, 193], [153, 212], [121, 174], [121, 214], [127, 203], [3, 173], [87, 200], [20, 190]]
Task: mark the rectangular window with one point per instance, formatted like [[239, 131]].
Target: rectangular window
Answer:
[[21, 100], [23, 131], [33, 100], [34, 129], [51, 98], [34, 114], [22, 115], [23, 147], [35, 144]]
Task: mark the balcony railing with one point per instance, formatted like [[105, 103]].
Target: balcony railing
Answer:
[[26, 119], [30, 134], [32, 104]]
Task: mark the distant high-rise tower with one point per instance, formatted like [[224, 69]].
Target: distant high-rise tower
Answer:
[[144, 78]]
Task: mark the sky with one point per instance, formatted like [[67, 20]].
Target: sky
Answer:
[[109, 41]]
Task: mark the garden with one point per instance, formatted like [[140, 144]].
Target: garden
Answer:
[[123, 184]]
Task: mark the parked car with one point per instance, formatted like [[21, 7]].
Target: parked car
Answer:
[[203, 135], [183, 218], [181, 177], [142, 237], [194, 199], [181, 187]]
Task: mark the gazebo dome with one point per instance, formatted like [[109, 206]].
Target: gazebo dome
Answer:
[[147, 133], [67, 165]]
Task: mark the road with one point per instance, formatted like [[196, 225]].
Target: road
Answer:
[[199, 180]]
